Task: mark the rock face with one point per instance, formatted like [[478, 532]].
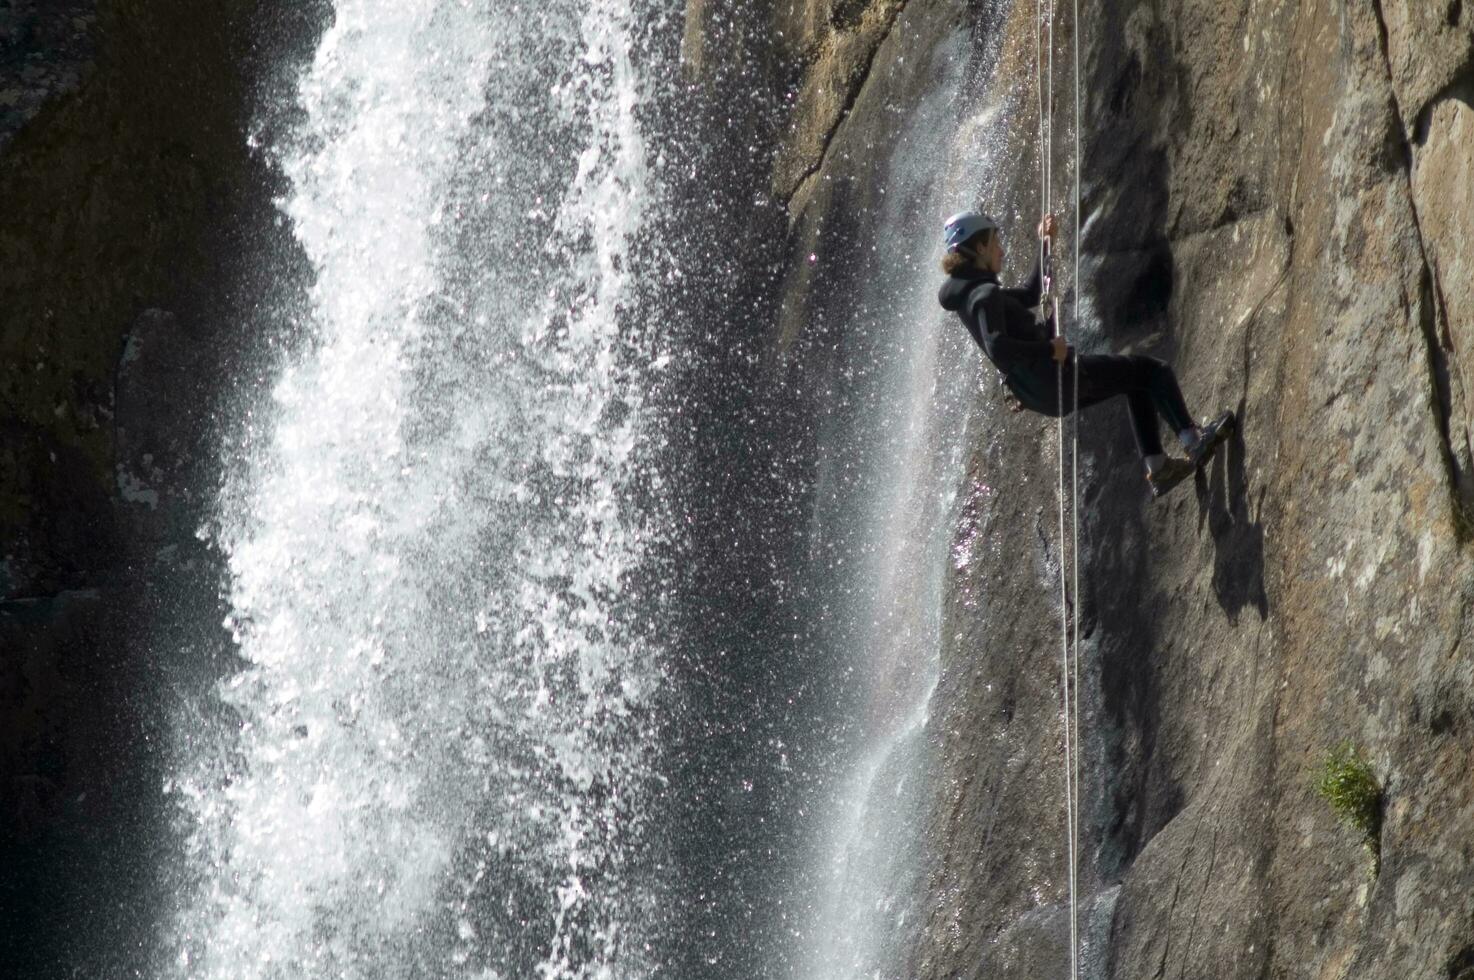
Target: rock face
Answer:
[[137, 241], [1277, 200], [45, 54]]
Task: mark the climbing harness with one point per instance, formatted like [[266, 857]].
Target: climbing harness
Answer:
[[1069, 581]]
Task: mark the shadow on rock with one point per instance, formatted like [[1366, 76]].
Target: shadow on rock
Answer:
[[1223, 503]]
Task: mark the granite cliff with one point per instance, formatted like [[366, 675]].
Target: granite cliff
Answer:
[[1277, 199]]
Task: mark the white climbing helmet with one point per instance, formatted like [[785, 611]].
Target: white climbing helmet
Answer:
[[960, 228]]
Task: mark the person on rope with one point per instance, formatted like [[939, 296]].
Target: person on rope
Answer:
[[1024, 348]]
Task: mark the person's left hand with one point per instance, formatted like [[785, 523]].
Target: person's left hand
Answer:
[[1061, 349], [1047, 228]]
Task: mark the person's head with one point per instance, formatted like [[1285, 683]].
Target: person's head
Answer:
[[973, 241]]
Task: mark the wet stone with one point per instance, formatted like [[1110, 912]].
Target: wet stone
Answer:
[[45, 51]]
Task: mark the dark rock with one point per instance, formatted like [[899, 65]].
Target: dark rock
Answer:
[[135, 215], [162, 394], [45, 52]]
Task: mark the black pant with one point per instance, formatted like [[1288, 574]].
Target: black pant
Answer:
[[1149, 385]]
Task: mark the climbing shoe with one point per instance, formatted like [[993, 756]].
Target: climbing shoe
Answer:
[[1171, 472], [1209, 437], [1174, 471]]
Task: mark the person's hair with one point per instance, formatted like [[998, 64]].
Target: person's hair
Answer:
[[954, 262]]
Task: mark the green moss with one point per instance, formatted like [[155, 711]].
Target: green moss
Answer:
[[1349, 786]]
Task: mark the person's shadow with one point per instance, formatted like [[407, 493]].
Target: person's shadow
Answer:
[[1223, 502]]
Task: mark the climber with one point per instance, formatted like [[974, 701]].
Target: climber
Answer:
[[1022, 346]]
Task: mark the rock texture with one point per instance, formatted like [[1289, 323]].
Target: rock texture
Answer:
[[45, 53], [137, 241], [1277, 200]]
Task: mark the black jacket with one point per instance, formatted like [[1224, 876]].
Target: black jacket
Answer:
[[1000, 320]]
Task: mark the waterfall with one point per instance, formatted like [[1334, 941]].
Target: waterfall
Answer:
[[435, 759], [909, 423]]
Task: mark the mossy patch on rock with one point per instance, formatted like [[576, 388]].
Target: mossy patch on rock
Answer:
[[1349, 786]]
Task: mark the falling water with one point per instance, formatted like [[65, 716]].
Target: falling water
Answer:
[[436, 756], [871, 853]]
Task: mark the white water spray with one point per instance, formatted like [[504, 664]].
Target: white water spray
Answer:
[[872, 850], [442, 746]]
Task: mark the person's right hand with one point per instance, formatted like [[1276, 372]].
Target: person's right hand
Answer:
[[1061, 349]]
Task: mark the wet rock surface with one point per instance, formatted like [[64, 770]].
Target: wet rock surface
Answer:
[[141, 268], [1276, 197], [46, 51]]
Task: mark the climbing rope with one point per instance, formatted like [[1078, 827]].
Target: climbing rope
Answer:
[[1075, 532], [1075, 519], [1069, 611]]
